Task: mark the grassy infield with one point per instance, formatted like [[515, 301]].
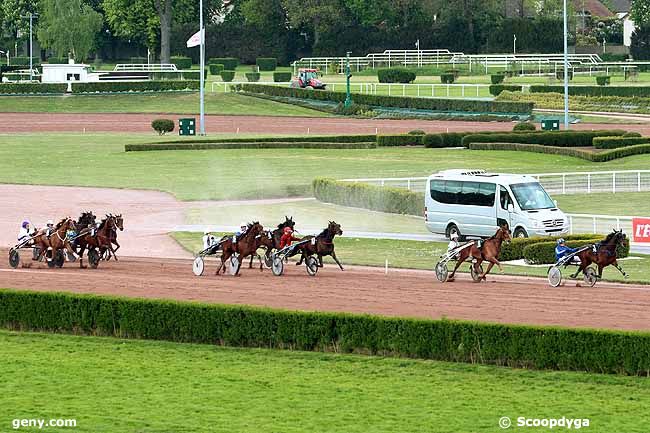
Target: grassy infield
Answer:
[[112, 385]]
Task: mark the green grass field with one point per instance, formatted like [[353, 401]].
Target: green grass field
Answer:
[[424, 255], [99, 160], [111, 385], [176, 103]]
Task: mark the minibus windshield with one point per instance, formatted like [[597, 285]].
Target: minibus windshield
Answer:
[[531, 196]]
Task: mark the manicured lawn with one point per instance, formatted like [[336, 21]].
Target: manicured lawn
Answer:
[[99, 160], [110, 385], [626, 203], [176, 103], [424, 255]]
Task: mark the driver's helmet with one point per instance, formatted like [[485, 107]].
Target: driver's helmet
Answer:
[[560, 241], [243, 226], [454, 236], [206, 232], [288, 230], [50, 222], [25, 224]]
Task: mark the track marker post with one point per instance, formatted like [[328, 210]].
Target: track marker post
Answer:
[[386, 267]]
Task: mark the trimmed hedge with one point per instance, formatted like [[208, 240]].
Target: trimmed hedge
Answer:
[[215, 68], [545, 138], [58, 60], [524, 127], [544, 252], [248, 145], [515, 249], [162, 126], [227, 76], [603, 80], [395, 75], [447, 78], [24, 61], [267, 63], [399, 140], [434, 104], [625, 91], [496, 89], [433, 141], [181, 62], [282, 77], [195, 75], [609, 155], [17, 89], [229, 63], [497, 78], [253, 77], [134, 86], [597, 351], [366, 196], [616, 142]]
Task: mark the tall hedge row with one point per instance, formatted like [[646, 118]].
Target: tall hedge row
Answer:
[[13, 88], [496, 89], [544, 252], [616, 142], [248, 145], [267, 63], [366, 196], [135, 86], [396, 75], [609, 155], [229, 63], [548, 138], [433, 104], [625, 91], [399, 140], [598, 351], [515, 249]]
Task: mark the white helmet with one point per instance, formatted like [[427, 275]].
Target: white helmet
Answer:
[[206, 232], [242, 225], [453, 236], [50, 222]]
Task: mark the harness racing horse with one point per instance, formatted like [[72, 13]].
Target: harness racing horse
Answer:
[[489, 252], [245, 246], [605, 254], [321, 245], [99, 242], [83, 225], [58, 240], [112, 236]]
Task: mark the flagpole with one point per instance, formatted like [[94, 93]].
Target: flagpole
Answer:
[[202, 68]]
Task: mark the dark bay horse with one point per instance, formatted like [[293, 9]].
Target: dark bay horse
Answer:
[[489, 252], [270, 239], [321, 245], [101, 240], [58, 240], [112, 236], [245, 246], [605, 254]]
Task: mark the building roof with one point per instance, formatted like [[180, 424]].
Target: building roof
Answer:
[[620, 5], [593, 7]]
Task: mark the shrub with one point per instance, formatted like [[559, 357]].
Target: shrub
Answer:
[[515, 249], [399, 140], [19, 88], [267, 63], [524, 126], [282, 77], [134, 86], [559, 74], [624, 91], [616, 142], [433, 141], [253, 77], [585, 350], [194, 75], [496, 89], [417, 132], [215, 68], [227, 76], [162, 126], [363, 195], [353, 109], [632, 134], [24, 61], [447, 78], [497, 78], [229, 63], [57, 60], [544, 252], [609, 155], [603, 80], [396, 75], [433, 104], [181, 62], [545, 138]]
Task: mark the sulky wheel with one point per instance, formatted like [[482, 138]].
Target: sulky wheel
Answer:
[[277, 267], [14, 258], [93, 258], [442, 272], [554, 276], [198, 265], [59, 258], [268, 261], [476, 274], [52, 262], [312, 265], [590, 276], [234, 265]]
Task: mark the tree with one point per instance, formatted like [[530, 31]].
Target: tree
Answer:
[[640, 12], [135, 20], [14, 22], [68, 26], [640, 43], [320, 15]]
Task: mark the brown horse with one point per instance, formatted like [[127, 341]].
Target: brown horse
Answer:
[[489, 251], [321, 245], [270, 240], [605, 254], [119, 224], [58, 240], [101, 240], [245, 246]]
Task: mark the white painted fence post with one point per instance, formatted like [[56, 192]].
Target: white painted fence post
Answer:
[[564, 184], [588, 183], [408, 184], [638, 182], [614, 183]]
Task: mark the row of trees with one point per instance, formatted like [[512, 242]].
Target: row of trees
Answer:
[[289, 28]]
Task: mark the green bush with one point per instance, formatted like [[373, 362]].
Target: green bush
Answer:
[[630, 134], [496, 89], [546, 138], [524, 126], [216, 68], [603, 80], [433, 141], [417, 132], [282, 77], [227, 76], [353, 109], [396, 75], [497, 78], [616, 142], [559, 74], [57, 60], [162, 126], [253, 77], [194, 75], [544, 252], [585, 350], [624, 91], [229, 63], [433, 104], [366, 196], [181, 62], [399, 140], [609, 155], [447, 78], [24, 61], [14, 88], [252, 144], [515, 249], [267, 63], [134, 86]]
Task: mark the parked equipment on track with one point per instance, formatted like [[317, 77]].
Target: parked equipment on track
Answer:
[[278, 258], [555, 272]]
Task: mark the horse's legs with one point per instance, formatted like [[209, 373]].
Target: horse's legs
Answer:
[[320, 260], [459, 261], [81, 256], [303, 257], [620, 269], [487, 271], [250, 265], [336, 260], [583, 265]]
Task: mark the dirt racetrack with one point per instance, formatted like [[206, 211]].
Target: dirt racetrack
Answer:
[[97, 122], [357, 290]]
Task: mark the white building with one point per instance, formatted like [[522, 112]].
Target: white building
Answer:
[[72, 72]]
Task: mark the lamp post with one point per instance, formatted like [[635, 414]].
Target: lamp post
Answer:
[[202, 69], [566, 70], [514, 44], [348, 75], [31, 26]]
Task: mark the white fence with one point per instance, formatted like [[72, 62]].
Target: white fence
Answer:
[[148, 67], [586, 223], [554, 183]]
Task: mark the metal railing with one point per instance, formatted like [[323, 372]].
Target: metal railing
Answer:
[[553, 183], [588, 223], [149, 67], [227, 86]]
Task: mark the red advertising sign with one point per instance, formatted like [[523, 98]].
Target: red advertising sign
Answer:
[[641, 229]]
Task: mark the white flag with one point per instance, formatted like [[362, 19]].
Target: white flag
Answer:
[[196, 38]]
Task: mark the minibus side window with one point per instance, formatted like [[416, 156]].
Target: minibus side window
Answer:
[[504, 197]]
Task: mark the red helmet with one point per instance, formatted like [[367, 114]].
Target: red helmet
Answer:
[[288, 230]]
